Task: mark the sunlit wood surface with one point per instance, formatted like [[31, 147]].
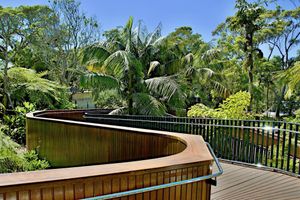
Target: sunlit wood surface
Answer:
[[242, 183]]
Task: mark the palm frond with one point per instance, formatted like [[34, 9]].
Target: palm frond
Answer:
[[153, 66], [160, 41], [210, 55], [206, 72], [290, 77], [119, 111], [27, 81], [220, 88], [118, 63], [155, 35], [100, 81], [165, 87], [94, 55], [188, 59], [145, 104], [173, 67]]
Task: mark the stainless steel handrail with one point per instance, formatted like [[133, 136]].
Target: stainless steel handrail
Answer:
[[167, 185], [195, 124]]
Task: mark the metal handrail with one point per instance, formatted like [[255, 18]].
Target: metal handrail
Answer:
[[196, 124], [206, 118], [167, 185]]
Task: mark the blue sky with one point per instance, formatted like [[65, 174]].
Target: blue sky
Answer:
[[202, 15]]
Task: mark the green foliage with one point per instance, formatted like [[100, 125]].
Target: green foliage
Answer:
[[109, 99], [200, 110], [14, 124], [14, 158], [291, 78], [234, 107], [295, 119], [121, 63], [27, 85]]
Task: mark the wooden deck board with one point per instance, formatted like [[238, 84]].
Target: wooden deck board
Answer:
[[240, 182]]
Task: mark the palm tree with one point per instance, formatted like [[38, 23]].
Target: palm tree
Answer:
[[122, 63], [141, 65], [291, 78]]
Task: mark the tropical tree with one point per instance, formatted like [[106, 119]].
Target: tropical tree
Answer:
[[121, 62], [27, 85], [18, 26], [291, 78], [184, 53], [57, 48], [245, 26], [284, 38]]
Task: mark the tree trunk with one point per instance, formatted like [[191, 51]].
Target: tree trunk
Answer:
[[250, 86], [279, 102], [285, 60], [250, 65], [130, 93], [7, 99], [267, 103]]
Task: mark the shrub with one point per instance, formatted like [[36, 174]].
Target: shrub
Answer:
[[234, 107], [109, 99], [14, 158], [14, 125]]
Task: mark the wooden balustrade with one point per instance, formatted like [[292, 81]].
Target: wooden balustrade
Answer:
[[108, 159]]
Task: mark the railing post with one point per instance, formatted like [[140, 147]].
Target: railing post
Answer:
[[295, 149], [262, 141], [289, 147], [267, 146], [272, 147], [278, 145], [283, 145]]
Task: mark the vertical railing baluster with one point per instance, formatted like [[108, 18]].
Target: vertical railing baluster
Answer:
[[196, 127], [278, 144], [173, 124], [283, 145], [267, 145], [262, 140], [247, 140], [217, 132], [243, 142], [225, 139], [289, 147], [207, 131], [272, 144], [211, 130], [221, 138], [200, 121], [239, 140], [256, 131], [228, 139], [200, 129], [191, 125], [236, 129], [205, 121], [231, 138], [295, 148]]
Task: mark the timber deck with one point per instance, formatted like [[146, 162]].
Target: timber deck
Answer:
[[242, 183]]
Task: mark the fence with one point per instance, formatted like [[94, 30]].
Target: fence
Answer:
[[272, 144]]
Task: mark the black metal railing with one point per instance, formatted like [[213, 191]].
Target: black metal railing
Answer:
[[274, 144]]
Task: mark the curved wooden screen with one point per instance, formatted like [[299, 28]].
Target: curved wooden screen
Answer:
[[118, 159]]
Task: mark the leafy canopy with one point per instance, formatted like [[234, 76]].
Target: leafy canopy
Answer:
[[234, 107]]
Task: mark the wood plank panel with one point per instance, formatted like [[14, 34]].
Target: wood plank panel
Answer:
[[133, 161], [252, 183]]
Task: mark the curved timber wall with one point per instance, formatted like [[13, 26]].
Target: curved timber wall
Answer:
[[118, 159]]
